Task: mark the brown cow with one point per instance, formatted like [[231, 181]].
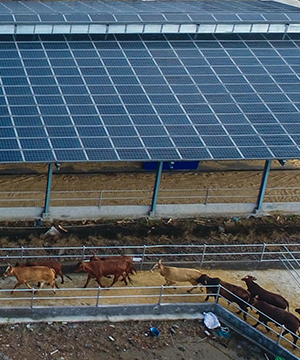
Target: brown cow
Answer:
[[26, 274], [265, 295], [52, 264], [123, 258], [97, 269], [237, 294], [268, 312]]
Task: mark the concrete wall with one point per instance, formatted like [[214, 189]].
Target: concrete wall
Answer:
[[135, 212]]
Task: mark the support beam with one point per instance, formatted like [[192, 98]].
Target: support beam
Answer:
[[263, 184], [282, 162], [48, 190], [156, 187]]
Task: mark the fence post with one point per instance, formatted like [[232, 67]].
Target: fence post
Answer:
[[143, 257], [32, 297], [98, 296], [83, 252], [161, 295], [100, 199], [203, 254], [262, 254], [22, 253], [206, 198], [280, 334], [218, 294]]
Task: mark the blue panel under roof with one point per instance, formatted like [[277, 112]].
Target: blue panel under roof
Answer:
[[73, 104]]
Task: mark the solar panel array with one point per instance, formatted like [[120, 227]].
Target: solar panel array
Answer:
[[145, 11], [149, 97]]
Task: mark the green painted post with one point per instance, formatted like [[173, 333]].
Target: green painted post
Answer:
[[156, 186], [263, 184], [48, 190]]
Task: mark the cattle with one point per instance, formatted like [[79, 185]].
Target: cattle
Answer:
[[174, 274], [265, 295], [51, 263], [239, 295], [123, 258], [27, 274], [97, 269], [268, 312]]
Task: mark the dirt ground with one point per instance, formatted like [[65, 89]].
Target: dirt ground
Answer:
[[131, 340], [178, 340], [96, 177]]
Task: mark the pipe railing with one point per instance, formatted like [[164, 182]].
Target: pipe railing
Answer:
[[147, 255], [106, 197], [98, 296]]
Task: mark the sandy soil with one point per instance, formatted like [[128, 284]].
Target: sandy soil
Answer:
[[130, 176]]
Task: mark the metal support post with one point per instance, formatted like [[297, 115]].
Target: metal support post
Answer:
[[280, 334], [32, 298], [48, 190], [262, 253], [218, 294], [143, 257], [98, 296], [156, 187], [161, 295], [263, 184]]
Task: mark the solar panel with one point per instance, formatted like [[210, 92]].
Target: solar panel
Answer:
[[160, 98]]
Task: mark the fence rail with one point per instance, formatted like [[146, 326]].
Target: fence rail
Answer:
[[144, 197], [158, 295], [147, 255]]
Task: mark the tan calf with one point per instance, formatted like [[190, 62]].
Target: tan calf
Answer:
[[27, 274], [173, 275]]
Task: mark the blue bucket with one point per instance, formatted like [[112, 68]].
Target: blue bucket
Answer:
[[154, 331]]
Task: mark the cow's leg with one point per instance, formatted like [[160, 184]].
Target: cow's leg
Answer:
[[169, 283], [245, 314], [116, 277], [68, 277], [29, 287], [61, 276], [208, 294], [53, 285], [87, 281], [41, 285], [124, 275], [129, 279], [255, 325], [19, 283], [98, 281]]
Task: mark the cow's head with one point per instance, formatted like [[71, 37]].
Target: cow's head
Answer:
[[157, 266], [254, 300], [79, 266], [8, 271], [249, 277], [203, 279]]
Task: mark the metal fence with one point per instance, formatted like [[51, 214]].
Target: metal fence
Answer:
[[144, 197], [146, 256], [147, 295]]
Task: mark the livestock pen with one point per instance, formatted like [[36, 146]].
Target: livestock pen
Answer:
[[266, 262]]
